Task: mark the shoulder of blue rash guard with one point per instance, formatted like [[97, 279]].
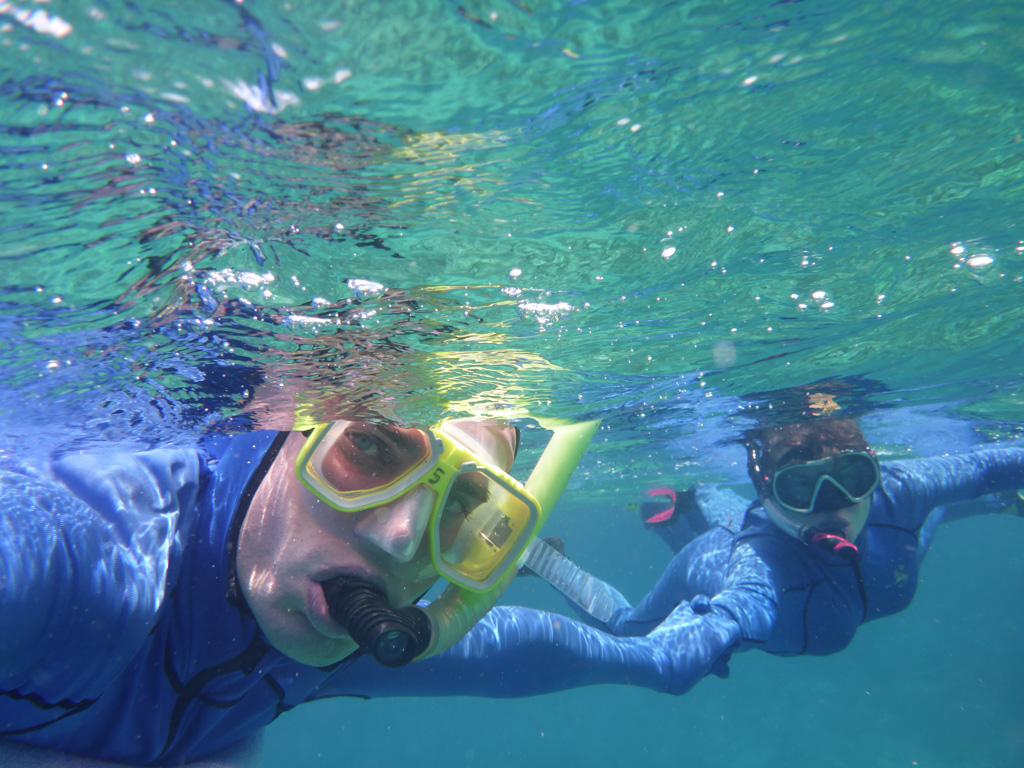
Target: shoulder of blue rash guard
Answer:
[[233, 460]]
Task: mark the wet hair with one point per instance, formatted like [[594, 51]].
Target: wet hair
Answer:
[[813, 439]]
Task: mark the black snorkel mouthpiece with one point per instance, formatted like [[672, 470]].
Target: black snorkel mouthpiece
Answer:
[[394, 637]]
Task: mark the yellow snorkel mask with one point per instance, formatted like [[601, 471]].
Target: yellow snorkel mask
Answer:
[[478, 520]]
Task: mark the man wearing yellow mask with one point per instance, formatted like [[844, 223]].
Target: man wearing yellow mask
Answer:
[[162, 607]]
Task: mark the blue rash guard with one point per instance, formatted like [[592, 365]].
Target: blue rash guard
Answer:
[[775, 593], [125, 638]]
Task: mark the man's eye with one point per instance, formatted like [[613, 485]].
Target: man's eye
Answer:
[[457, 506], [367, 445]]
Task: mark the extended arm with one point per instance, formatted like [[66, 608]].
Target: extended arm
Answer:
[[911, 489], [722, 578], [517, 651]]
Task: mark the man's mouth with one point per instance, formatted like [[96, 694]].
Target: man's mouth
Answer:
[[319, 614]]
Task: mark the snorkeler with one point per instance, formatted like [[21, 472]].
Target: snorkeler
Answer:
[[162, 607], [834, 539]]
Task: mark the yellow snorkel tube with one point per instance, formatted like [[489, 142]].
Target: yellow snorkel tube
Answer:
[[457, 609]]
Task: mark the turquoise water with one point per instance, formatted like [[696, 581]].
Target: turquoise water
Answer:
[[681, 217]]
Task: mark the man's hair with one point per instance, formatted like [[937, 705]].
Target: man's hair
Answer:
[[818, 437]]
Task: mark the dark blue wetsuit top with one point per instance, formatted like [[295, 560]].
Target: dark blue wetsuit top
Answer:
[[124, 638], [788, 598]]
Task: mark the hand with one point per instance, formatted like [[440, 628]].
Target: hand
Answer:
[[1015, 501], [696, 639]]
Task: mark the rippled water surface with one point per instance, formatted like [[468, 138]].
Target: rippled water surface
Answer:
[[686, 218]]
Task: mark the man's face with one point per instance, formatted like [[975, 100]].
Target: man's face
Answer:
[[291, 542]]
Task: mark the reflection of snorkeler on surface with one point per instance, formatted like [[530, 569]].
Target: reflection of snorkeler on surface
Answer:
[[162, 606], [833, 540], [340, 210]]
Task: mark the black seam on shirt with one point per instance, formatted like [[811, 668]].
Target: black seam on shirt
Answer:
[[363, 696], [340, 666], [70, 707], [279, 692], [41, 703], [911, 531], [755, 504], [809, 589], [862, 590], [170, 673], [246, 662], [807, 606]]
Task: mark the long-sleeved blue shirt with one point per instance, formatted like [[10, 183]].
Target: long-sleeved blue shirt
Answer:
[[124, 637]]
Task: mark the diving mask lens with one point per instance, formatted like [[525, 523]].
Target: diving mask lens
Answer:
[[481, 519], [485, 523], [355, 465], [855, 474]]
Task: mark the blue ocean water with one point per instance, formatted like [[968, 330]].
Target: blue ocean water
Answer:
[[685, 218]]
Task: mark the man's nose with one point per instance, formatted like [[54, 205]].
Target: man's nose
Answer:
[[398, 527], [831, 496]]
